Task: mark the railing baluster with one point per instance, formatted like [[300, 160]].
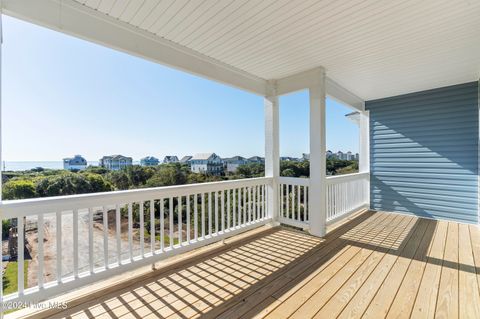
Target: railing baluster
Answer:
[[152, 226], [41, 259], [234, 207], [282, 210], [228, 209], [244, 205], [210, 213], [188, 218], [105, 236], [293, 203], [307, 203], [180, 222], [216, 213], [130, 231], [142, 228], [170, 221], [264, 191], [257, 197], [118, 233], [75, 245], [58, 238], [21, 254], [90, 240], [195, 216], [287, 201], [162, 225], [203, 215], [262, 201], [249, 204], [223, 211], [298, 203], [254, 210]]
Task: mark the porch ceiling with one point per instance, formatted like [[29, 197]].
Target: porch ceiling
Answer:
[[372, 48]]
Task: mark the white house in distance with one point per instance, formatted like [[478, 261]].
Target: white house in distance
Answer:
[[75, 163], [170, 159], [231, 164], [115, 162], [186, 160], [206, 163]]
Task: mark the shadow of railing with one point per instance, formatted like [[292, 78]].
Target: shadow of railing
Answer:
[[246, 274]]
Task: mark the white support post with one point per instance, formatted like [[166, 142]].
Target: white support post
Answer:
[[317, 193], [364, 145], [272, 152]]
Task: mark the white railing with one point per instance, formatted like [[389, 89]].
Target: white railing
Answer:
[[346, 194], [76, 240], [293, 201]]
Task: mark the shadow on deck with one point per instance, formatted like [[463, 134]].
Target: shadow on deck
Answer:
[[359, 268]]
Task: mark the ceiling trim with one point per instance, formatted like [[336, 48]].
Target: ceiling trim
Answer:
[[73, 18]]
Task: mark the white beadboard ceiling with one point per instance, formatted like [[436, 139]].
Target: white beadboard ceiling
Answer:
[[374, 48]]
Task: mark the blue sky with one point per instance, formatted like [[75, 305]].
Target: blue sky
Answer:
[[63, 96]]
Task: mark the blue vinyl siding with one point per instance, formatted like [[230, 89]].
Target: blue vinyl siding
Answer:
[[424, 153]]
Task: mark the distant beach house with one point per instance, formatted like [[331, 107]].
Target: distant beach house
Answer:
[[115, 162], [75, 163], [207, 163], [256, 159], [186, 159], [231, 164], [149, 161], [170, 159], [289, 159]]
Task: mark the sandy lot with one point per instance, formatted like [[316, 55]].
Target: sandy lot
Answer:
[[67, 244]]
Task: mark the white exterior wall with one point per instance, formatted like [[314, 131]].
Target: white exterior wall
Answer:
[[199, 168]]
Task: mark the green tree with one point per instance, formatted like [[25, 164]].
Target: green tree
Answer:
[[98, 183], [251, 170], [19, 189], [96, 170], [6, 224], [119, 179], [167, 175], [64, 184], [288, 172], [138, 175]]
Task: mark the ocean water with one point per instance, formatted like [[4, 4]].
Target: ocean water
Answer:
[[27, 165]]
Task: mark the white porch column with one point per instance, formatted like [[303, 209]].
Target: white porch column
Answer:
[[317, 195], [364, 145], [272, 145]]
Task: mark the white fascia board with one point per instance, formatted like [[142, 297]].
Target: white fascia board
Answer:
[[73, 18], [304, 80]]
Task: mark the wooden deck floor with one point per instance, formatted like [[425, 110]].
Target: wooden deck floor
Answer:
[[378, 265]]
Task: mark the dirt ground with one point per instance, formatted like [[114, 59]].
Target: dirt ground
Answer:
[[67, 244]]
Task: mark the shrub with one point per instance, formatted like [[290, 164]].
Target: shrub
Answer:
[[19, 189]]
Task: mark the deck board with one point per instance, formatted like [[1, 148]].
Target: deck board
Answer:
[[377, 265], [447, 300]]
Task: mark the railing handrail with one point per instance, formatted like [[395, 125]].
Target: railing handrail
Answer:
[[14, 208], [347, 177]]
